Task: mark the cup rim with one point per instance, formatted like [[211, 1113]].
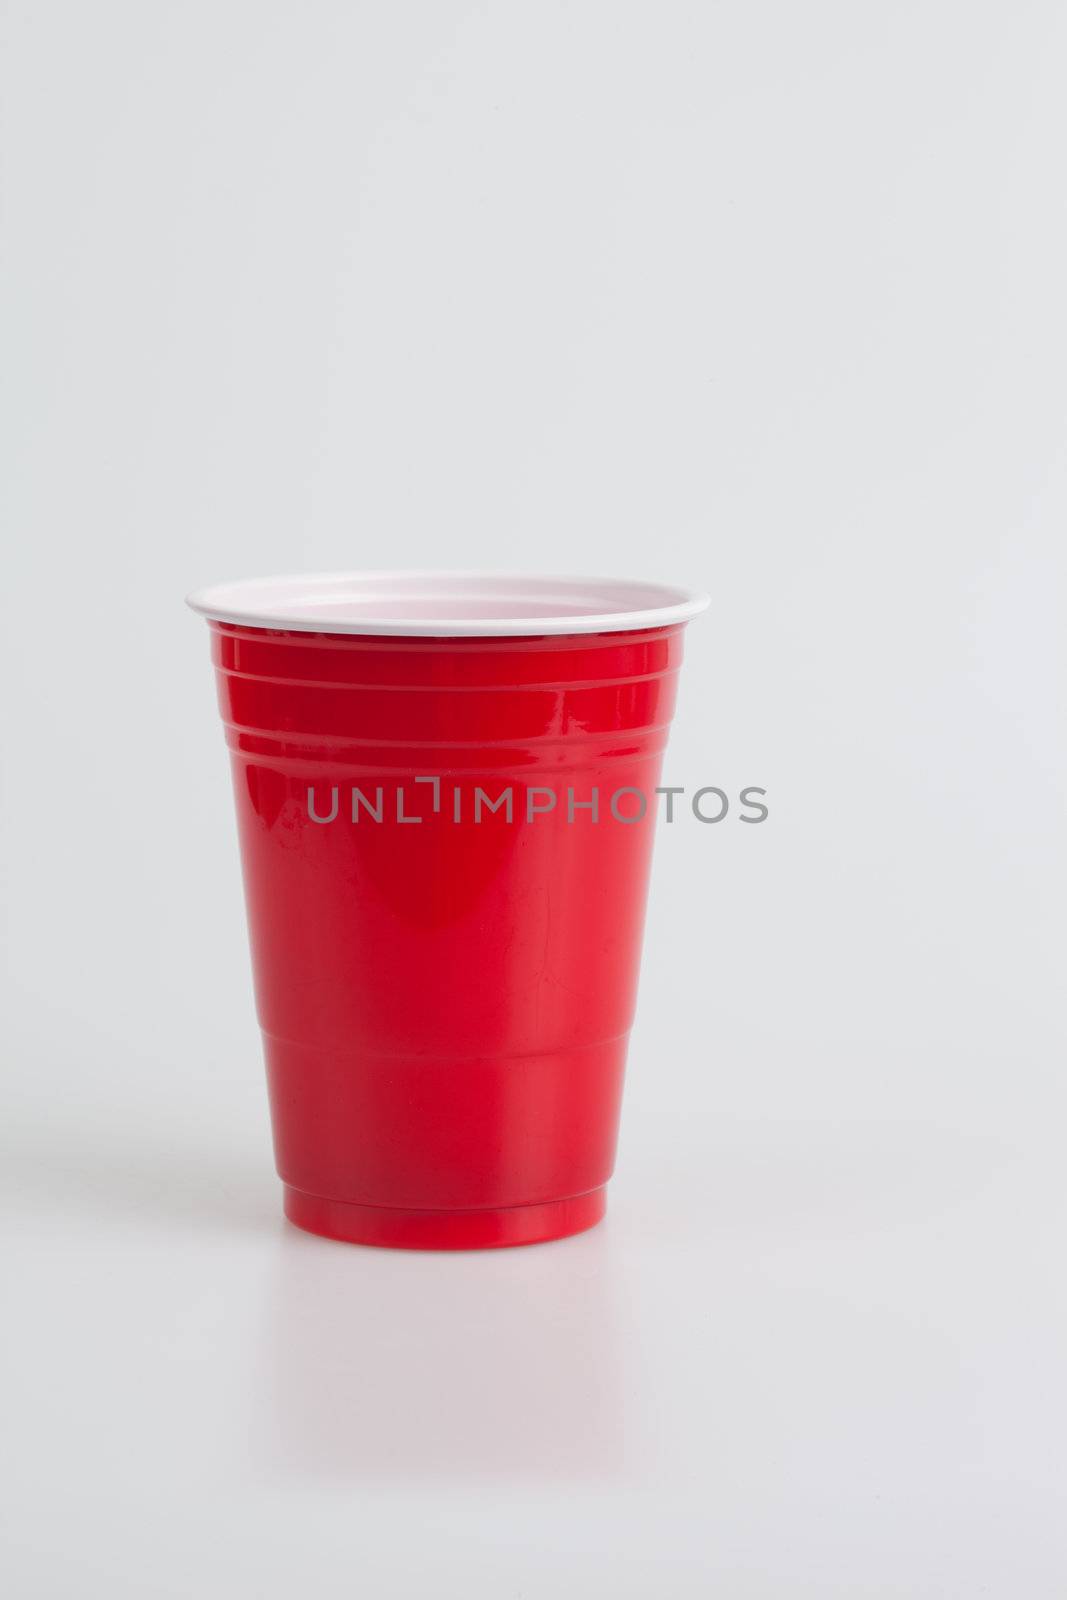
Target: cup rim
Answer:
[[446, 603]]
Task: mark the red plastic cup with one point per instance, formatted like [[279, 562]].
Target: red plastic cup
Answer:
[[445, 980]]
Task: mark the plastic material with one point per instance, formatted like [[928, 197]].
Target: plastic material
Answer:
[[444, 1230], [445, 1001], [447, 604]]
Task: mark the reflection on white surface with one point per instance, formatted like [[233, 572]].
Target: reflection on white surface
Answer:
[[456, 1367], [789, 1359]]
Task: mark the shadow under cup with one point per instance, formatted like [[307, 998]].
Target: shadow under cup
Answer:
[[446, 845]]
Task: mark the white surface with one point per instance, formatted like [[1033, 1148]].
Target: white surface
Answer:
[[766, 299], [447, 604]]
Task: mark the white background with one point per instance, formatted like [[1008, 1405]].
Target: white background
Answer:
[[764, 298]]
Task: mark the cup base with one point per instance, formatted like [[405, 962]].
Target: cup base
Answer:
[[397, 1229]]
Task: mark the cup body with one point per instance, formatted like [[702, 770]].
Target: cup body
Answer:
[[445, 981]]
